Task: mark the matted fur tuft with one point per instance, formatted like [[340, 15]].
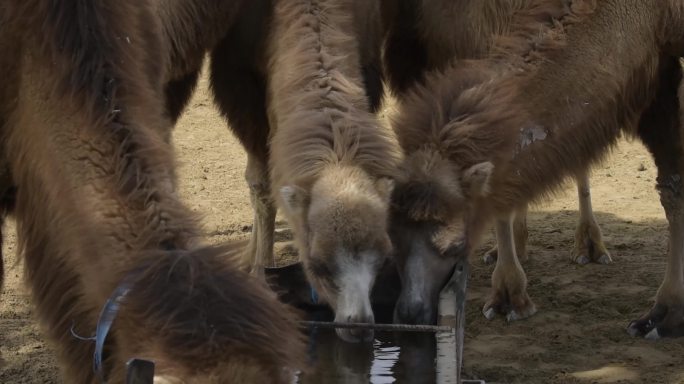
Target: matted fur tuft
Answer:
[[196, 311]]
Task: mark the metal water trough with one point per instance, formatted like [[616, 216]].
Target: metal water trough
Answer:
[[291, 285]]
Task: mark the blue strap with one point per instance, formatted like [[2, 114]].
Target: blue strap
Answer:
[[104, 324], [314, 295]]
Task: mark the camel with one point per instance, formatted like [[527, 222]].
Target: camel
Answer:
[[332, 162], [433, 43], [299, 84], [425, 35], [468, 147], [105, 241]]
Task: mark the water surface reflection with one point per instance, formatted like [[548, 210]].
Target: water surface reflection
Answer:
[[393, 357]]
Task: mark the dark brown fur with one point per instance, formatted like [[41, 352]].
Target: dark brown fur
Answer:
[[586, 90], [462, 113], [421, 36], [85, 138]]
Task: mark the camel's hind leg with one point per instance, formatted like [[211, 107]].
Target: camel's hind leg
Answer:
[[509, 283], [660, 129], [240, 93], [589, 245], [178, 93]]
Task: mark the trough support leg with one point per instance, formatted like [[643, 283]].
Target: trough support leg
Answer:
[[452, 301]]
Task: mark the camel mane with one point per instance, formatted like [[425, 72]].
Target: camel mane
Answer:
[[327, 120]]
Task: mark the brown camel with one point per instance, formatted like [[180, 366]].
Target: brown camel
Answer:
[[83, 137], [299, 82], [470, 160], [331, 160], [425, 35], [419, 39]]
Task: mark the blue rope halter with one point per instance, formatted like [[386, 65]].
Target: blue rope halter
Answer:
[[104, 324]]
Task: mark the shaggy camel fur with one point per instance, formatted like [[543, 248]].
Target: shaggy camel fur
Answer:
[[239, 81], [426, 35], [299, 83], [83, 135], [470, 159], [420, 27], [332, 162]]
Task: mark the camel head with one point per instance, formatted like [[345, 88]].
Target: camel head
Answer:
[[432, 209], [341, 228]]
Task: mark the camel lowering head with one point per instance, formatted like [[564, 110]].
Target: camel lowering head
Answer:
[[341, 226], [431, 209]]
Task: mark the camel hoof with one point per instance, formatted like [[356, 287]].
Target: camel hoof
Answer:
[[515, 316], [653, 335], [604, 259], [660, 322], [632, 330], [502, 304], [582, 260], [489, 313]]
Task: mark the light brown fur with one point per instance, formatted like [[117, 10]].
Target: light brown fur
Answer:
[[83, 130], [331, 158]]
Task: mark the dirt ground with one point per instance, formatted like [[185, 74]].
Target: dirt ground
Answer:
[[578, 335]]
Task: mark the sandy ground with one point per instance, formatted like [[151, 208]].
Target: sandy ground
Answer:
[[578, 335]]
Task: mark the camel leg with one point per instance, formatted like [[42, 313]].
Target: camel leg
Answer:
[[589, 245], [240, 93], [509, 283], [259, 253], [178, 93], [660, 130], [2, 261], [520, 235]]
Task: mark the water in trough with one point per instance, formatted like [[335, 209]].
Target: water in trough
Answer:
[[392, 357]]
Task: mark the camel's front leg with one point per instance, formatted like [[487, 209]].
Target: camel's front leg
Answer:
[[520, 235], [509, 283], [589, 245]]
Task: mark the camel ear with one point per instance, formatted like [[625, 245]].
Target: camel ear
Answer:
[[294, 197], [476, 179], [385, 186]]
